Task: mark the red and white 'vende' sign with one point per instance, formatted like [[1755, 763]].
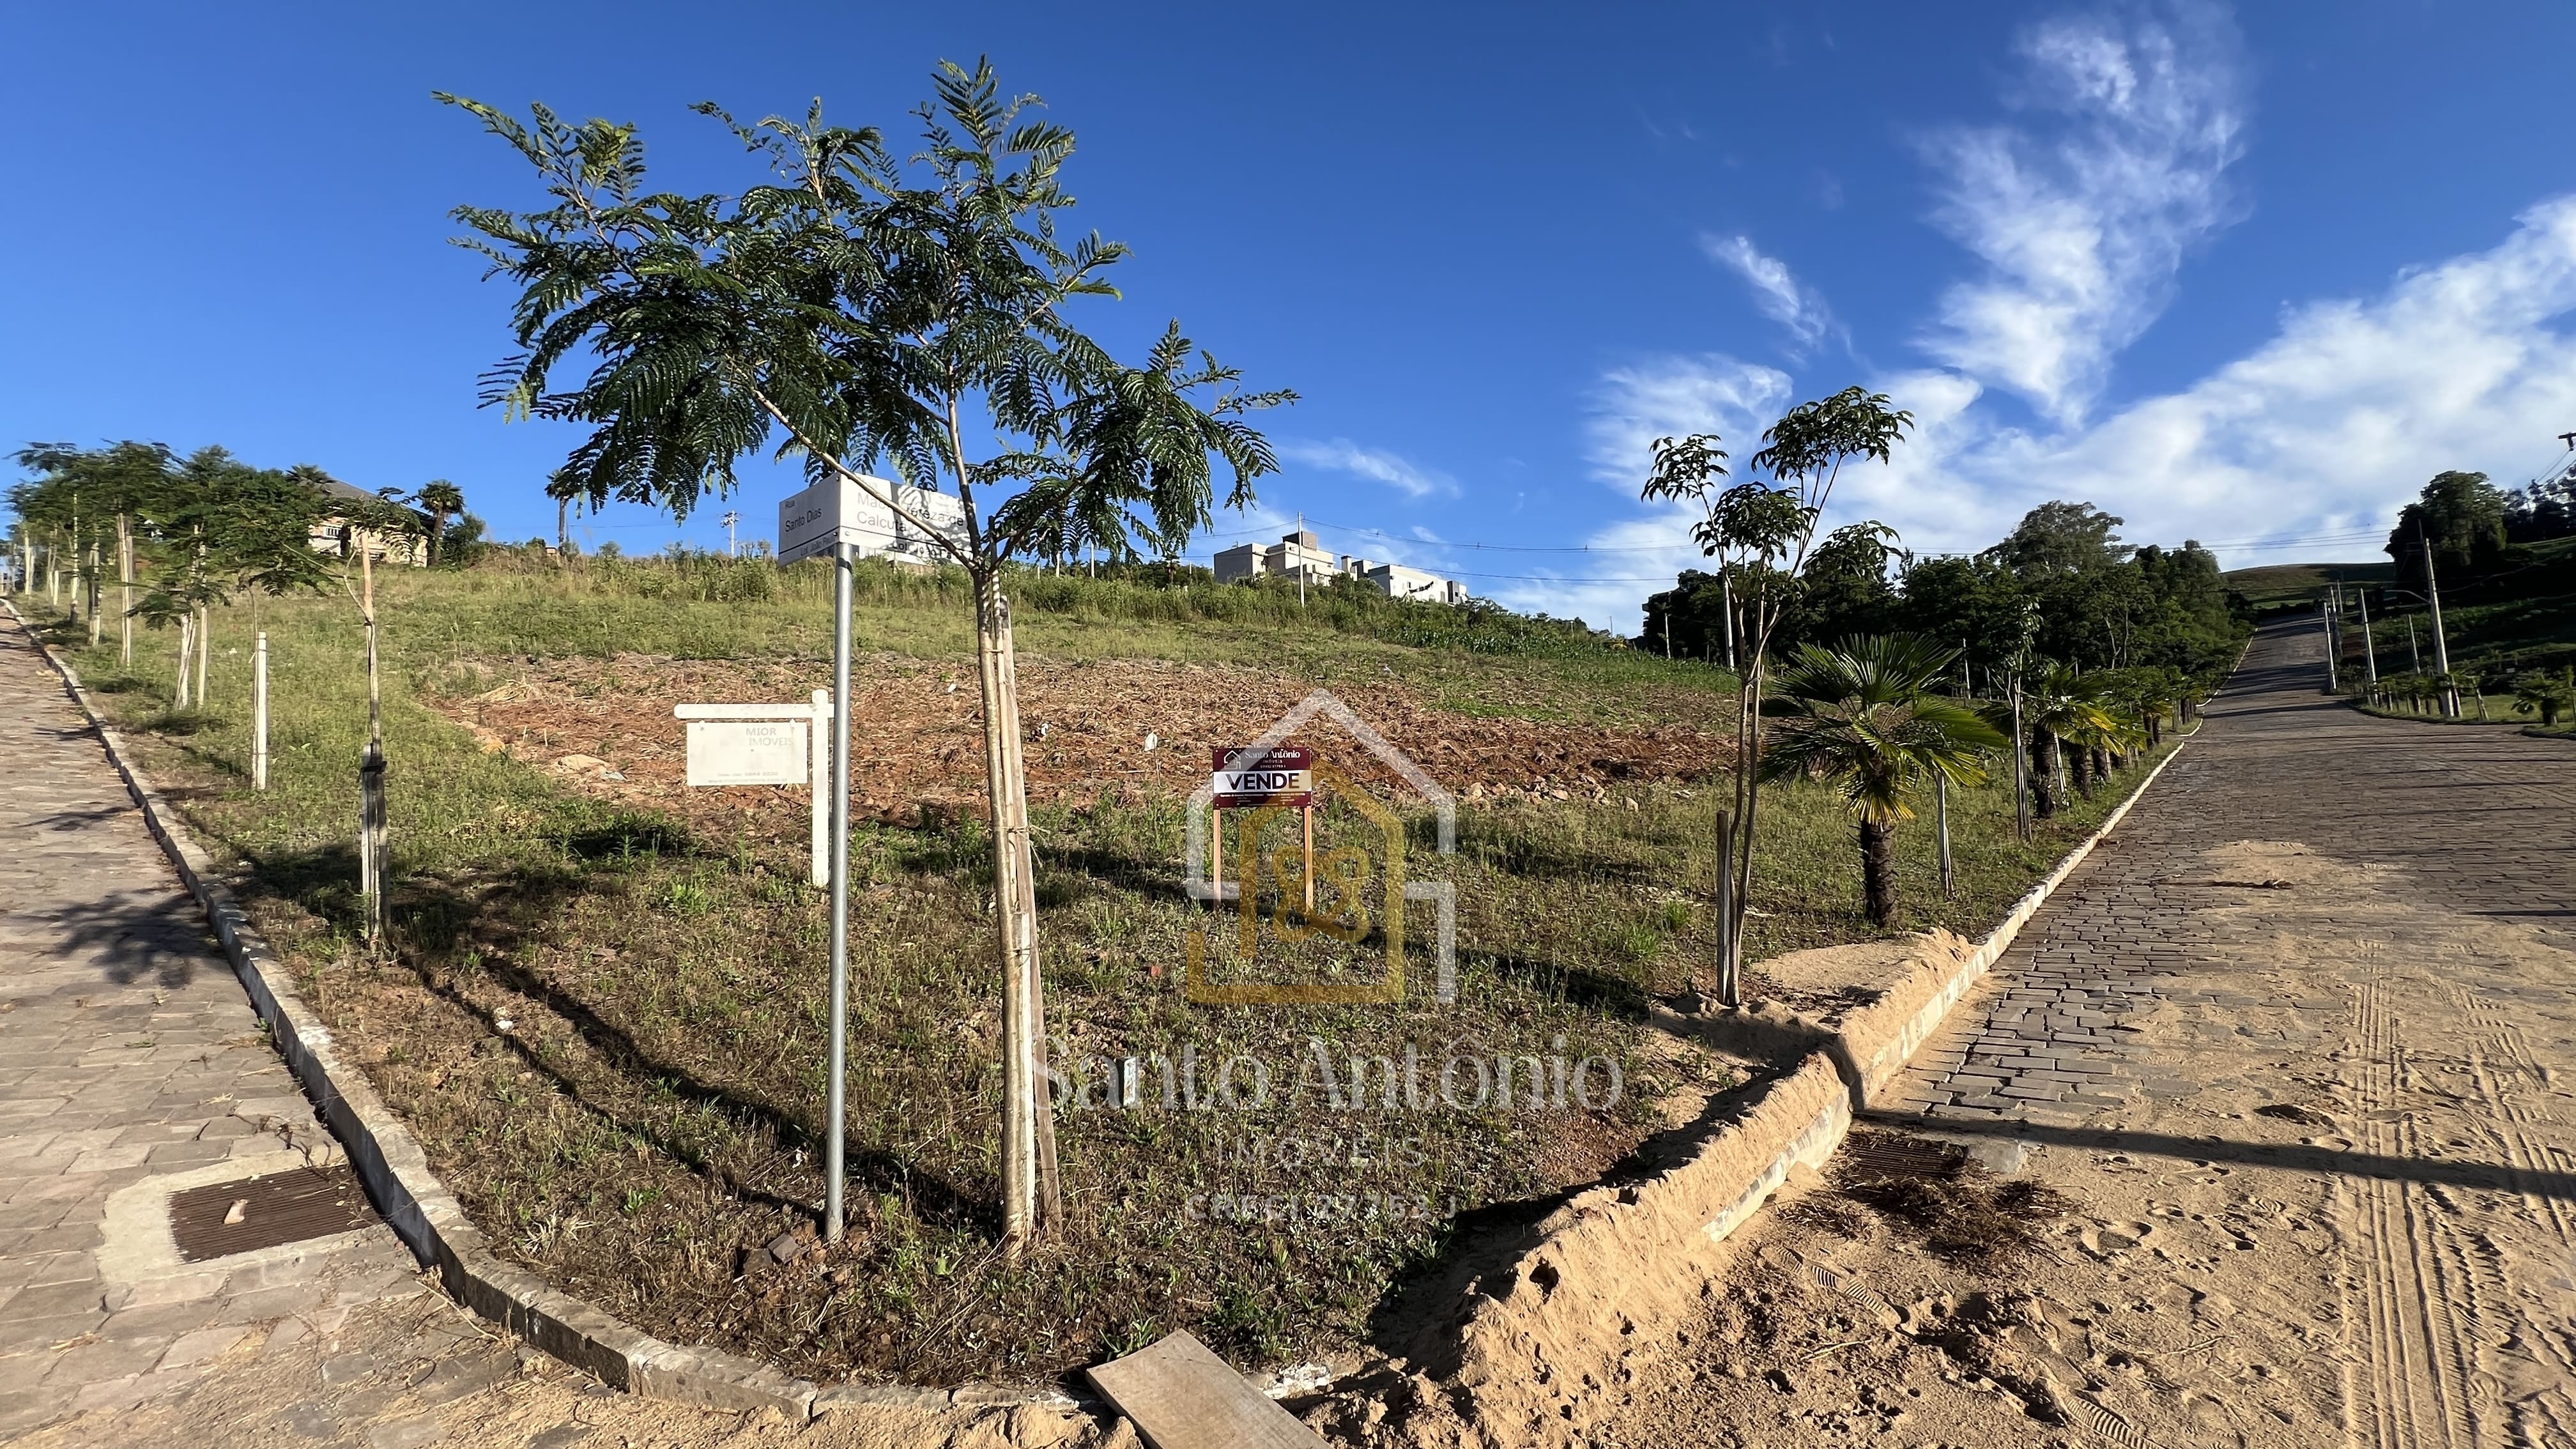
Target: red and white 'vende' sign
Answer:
[[1249, 777]]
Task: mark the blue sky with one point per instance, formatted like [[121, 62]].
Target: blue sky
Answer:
[[2249, 277]]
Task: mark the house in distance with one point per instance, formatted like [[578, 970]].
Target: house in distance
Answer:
[[332, 533], [1300, 553]]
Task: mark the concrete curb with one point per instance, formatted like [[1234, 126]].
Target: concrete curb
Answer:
[[1873, 1045], [426, 1216], [1573, 1305]]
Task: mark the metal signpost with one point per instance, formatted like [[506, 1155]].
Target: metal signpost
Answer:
[[834, 517], [1247, 779]]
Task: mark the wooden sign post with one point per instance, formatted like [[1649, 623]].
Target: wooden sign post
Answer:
[[1253, 777], [766, 744]]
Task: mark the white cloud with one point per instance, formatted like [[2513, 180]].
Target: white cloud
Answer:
[[2324, 430], [1344, 456], [2083, 214], [1798, 308], [1671, 396], [2320, 434]]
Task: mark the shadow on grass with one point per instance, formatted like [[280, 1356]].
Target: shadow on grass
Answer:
[[512, 915]]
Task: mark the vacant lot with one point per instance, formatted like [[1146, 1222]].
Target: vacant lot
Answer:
[[603, 1006]]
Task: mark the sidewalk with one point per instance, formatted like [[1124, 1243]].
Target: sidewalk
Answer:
[[130, 1064]]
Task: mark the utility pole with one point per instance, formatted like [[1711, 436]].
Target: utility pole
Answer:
[[2325, 617], [729, 520], [2441, 649], [2369, 655]]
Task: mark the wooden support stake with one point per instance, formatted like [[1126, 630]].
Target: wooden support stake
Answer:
[[1729, 987], [1941, 811], [259, 712], [1216, 858], [1309, 813]]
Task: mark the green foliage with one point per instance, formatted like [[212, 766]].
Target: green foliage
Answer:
[[1863, 717], [861, 303], [2461, 517], [2059, 537], [2548, 695]]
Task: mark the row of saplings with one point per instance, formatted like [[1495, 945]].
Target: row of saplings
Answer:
[[2551, 696], [1873, 718]]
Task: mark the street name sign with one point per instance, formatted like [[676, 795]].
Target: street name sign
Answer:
[[835, 510]]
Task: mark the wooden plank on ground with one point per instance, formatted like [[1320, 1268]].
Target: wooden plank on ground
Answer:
[[1181, 1396]]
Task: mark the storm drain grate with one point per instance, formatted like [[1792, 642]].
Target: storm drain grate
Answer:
[[261, 1212], [1897, 1154]]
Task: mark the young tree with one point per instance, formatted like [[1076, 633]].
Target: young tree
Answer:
[[1865, 718], [860, 308], [1761, 534]]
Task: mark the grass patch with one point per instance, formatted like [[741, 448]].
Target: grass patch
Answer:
[[608, 1026]]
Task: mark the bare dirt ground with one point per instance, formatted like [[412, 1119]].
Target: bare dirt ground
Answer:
[[916, 722], [2288, 1072]]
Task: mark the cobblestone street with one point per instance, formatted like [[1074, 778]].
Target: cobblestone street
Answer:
[[130, 1058], [2290, 1057]]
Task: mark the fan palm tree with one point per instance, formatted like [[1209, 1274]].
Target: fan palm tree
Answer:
[[441, 500], [1864, 717], [2061, 706], [2546, 694]]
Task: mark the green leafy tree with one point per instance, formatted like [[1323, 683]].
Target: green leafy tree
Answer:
[[2061, 538], [2462, 518], [1761, 534], [859, 309], [1866, 717]]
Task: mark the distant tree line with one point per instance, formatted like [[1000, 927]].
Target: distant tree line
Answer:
[[2061, 585], [133, 531]]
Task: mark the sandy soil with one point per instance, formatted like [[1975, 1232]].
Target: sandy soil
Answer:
[[2318, 1179]]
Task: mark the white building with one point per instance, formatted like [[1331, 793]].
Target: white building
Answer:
[[1294, 554], [1300, 553], [1399, 582]]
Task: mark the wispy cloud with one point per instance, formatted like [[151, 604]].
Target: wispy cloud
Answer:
[[1341, 455], [2324, 430], [2082, 214], [1798, 308], [2319, 434], [1669, 396]]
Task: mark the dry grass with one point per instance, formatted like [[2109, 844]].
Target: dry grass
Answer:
[[647, 1120]]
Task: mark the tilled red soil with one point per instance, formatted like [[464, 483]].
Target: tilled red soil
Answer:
[[917, 747]]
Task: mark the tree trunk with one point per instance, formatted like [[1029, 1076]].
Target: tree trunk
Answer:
[[205, 648], [1027, 1208], [1878, 870], [2080, 762], [125, 586], [2105, 760], [179, 700], [2043, 784]]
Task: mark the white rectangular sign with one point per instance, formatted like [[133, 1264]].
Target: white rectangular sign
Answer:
[[748, 752], [833, 511]]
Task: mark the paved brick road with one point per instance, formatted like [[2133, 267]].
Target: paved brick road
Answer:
[[128, 1056], [2296, 1051], [2477, 820]]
